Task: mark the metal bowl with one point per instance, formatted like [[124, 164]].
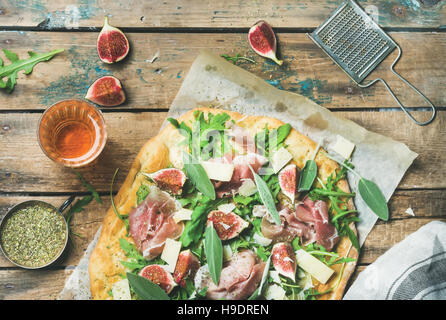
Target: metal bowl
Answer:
[[29, 204]]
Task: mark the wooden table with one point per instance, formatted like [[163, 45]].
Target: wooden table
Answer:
[[179, 29]]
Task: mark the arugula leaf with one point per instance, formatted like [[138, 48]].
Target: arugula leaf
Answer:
[[196, 173], [195, 227], [27, 65], [184, 130], [78, 206], [122, 217], [341, 215], [184, 292], [142, 193], [236, 58], [214, 253], [146, 289], [89, 187], [268, 141]]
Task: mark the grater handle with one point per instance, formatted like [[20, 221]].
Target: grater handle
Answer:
[[434, 111]]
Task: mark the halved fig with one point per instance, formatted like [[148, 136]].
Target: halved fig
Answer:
[[158, 275], [106, 91], [228, 225], [112, 44], [170, 180], [288, 181], [187, 266], [284, 260], [263, 41]]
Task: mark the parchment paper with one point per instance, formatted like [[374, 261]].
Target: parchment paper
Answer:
[[213, 81]]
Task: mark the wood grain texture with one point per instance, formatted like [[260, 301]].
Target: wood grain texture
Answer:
[[208, 13], [31, 171], [307, 70]]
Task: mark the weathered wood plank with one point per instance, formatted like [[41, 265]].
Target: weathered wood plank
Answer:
[[386, 234], [307, 70], [428, 205], [31, 171], [179, 14], [32, 284]]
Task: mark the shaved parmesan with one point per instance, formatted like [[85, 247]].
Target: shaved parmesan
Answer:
[[262, 240], [218, 171], [259, 210], [280, 158], [170, 254], [410, 212], [248, 188], [227, 207], [313, 266], [275, 292], [175, 157], [182, 214], [121, 290], [275, 276], [343, 147]]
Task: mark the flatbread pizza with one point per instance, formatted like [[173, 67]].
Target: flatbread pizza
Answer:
[[221, 205]]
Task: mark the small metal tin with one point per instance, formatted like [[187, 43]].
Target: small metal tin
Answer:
[[33, 203]]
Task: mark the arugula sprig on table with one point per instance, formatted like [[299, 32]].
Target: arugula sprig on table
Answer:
[[236, 58], [11, 71], [80, 204]]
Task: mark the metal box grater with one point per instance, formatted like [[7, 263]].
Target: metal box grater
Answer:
[[357, 45]]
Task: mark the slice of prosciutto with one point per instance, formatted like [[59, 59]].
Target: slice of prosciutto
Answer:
[[151, 223], [238, 279], [309, 221], [241, 172]]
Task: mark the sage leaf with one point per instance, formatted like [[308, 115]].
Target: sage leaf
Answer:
[[373, 197], [307, 176], [11, 71], [196, 173], [146, 289], [259, 290], [266, 197], [214, 253]]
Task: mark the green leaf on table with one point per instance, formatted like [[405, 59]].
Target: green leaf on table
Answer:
[[89, 187], [307, 176], [214, 253], [11, 71], [373, 197], [146, 289], [266, 197], [196, 173]]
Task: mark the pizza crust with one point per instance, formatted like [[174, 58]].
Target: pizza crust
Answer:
[[105, 267]]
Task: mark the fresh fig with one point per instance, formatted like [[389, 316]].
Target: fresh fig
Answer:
[[187, 266], [112, 44], [170, 180], [288, 181], [263, 41], [228, 225], [284, 260], [106, 91], [158, 275]]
